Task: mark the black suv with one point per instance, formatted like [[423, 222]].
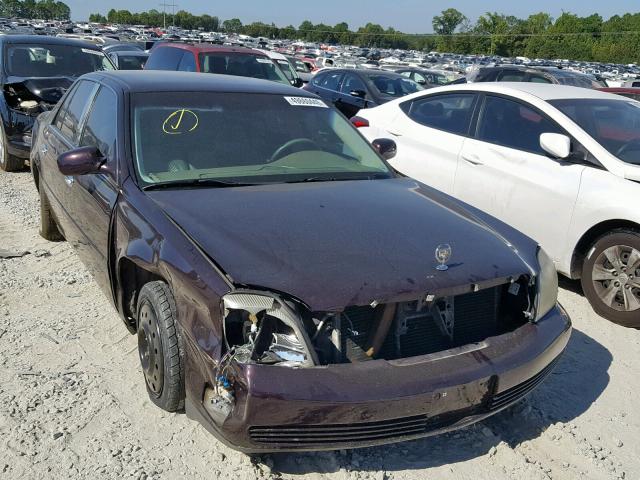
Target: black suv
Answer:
[[36, 71], [516, 73]]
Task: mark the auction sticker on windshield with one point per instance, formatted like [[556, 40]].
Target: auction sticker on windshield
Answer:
[[305, 102]]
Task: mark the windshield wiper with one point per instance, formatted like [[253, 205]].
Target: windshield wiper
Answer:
[[333, 179], [197, 183]]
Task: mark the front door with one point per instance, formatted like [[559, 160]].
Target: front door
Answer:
[[505, 172]]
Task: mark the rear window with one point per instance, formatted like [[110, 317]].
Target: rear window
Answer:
[[33, 60], [131, 62], [394, 86], [241, 65]]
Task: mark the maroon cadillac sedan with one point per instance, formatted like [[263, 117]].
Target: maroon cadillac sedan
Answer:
[[287, 288]]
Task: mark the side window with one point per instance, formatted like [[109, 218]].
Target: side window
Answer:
[[352, 82], [188, 63], [62, 111], [101, 126], [512, 76], [535, 78], [514, 125], [73, 109], [451, 113], [318, 79], [164, 58], [331, 81], [405, 74], [418, 77]]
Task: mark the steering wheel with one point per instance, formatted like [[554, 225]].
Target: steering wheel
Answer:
[[295, 145], [632, 145]]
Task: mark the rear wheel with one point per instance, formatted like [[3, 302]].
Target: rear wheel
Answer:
[[160, 346], [8, 163], [611, 277]]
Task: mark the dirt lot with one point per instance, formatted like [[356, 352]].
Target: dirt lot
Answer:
[[73, 402]]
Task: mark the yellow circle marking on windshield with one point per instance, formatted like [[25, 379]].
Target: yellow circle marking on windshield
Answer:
[[180, 121]]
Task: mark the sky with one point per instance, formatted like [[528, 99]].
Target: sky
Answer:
[[410, 16]]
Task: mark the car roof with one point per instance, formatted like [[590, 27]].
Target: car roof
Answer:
[[45, 40], [129, 53], [207, 47], [138, 81], [544, 91]]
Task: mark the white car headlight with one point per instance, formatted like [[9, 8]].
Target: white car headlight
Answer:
[[547, 285]]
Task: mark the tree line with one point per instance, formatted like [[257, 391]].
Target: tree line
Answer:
[[42, 9], [589, 38]]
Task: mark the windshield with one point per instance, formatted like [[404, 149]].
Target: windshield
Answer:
[[614, 124], [394, 86], [246, 138], [25, 60], [577, 80], [242, 65]]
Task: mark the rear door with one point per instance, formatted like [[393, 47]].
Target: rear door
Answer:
[[430, 133], [348, 102], [504, 172], [94, 196]]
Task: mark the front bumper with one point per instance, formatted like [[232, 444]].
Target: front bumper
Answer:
[[377, 402]]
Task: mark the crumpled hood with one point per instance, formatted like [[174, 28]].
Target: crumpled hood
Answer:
[[337, 244], [48, 90]]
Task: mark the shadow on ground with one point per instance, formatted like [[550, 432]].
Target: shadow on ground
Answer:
[[577, 381], [571, 285]]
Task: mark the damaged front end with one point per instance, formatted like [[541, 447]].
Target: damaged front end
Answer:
[[262, 328], [26, 99]]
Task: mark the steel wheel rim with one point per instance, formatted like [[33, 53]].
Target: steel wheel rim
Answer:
[[616, 278], [150, 350]]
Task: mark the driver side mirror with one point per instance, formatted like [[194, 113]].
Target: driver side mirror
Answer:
[[422, 81], [80, 161], [386, 147], [297, 82], [556, 145], [358, 93]]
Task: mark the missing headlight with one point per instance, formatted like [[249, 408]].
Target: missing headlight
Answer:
[[266, 330]]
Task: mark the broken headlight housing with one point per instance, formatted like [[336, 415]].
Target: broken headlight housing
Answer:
[[547, 285], [263, 328]]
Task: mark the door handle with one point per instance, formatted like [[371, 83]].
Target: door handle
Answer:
[[472, 158], [69, 180]]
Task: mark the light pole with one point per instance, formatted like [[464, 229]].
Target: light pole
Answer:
[[164, 14]]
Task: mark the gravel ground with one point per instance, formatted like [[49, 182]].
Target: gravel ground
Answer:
[[73, 402]]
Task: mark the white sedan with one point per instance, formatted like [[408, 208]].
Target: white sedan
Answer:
[[561, 164]]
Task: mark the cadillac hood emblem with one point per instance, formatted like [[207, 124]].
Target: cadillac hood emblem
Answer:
[[443, 254]]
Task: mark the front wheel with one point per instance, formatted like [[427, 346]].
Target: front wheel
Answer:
[[160, 346], [611, 277], [8, 162]]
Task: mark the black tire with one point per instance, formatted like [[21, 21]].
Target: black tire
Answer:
[[627, 239], [160, 346], [48, 228], [8, 163]]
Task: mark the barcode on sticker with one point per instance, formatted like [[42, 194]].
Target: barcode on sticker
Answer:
[[305, 102]]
